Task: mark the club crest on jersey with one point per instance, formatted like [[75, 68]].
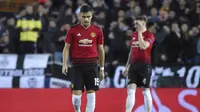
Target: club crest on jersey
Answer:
[[93, 34]]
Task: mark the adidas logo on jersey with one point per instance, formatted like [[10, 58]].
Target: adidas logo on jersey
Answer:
[[78, 34]]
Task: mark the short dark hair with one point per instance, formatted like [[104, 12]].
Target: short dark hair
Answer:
[[85, 8], [141, 18]]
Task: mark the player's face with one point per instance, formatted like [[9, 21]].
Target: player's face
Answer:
[[29, 10], [138, 24], [86, 18]]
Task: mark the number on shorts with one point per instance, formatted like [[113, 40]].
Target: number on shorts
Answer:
[[96, 81]]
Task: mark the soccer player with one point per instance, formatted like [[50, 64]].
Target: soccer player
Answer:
[[85, 41], [138, 66]]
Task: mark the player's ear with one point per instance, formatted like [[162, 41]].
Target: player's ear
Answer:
[[79, 16], [92, 13]]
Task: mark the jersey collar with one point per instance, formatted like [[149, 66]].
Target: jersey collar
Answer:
[[85, 27]]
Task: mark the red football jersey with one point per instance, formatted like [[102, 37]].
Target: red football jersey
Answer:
[[84, 41], [139, 55]]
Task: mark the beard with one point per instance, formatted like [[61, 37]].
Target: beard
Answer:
[[86, 24]]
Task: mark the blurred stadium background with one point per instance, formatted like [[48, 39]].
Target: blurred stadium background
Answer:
[[29, 67]]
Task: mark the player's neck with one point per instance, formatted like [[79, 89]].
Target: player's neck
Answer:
[[85, 27]]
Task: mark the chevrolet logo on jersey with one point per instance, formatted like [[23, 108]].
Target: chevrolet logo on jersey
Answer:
[[135, 44], [85, 42]]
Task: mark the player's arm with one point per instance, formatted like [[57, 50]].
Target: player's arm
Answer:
[[68, 41], [129, 59], [142, 43], [66, 54], [101, 55]]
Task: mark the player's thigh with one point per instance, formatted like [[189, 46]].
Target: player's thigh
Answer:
[[133, 75], [145, 75], [91, 78], [77, 80]]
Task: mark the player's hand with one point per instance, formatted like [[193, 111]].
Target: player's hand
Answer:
[[64, 70], [125, 73], [140, 26], [102, 75]]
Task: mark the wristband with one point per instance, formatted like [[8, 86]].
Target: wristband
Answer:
[[101, 68]]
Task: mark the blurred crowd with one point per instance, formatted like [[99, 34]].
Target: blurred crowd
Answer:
[[175, 23]]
